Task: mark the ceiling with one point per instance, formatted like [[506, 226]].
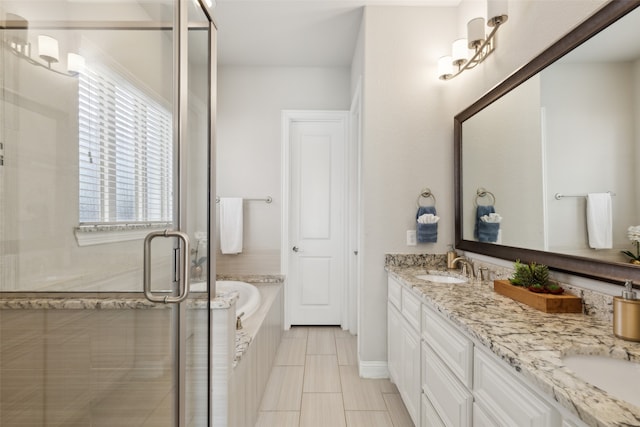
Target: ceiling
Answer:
[[294, 33]]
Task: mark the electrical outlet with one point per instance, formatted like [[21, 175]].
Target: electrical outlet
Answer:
[[411, 238]]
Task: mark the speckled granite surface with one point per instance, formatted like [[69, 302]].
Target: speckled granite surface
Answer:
[[533, 343], [243, 339], [106, 301], [120, 300], [436, 262]]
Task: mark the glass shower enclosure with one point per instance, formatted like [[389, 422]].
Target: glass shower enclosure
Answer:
[[106, 134]]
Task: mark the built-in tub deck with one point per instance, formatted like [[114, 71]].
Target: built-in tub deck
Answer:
[[268, 285]]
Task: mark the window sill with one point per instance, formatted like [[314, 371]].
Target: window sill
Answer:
[[90, 235]]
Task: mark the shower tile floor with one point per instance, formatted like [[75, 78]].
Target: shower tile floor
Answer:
[[315, 382]]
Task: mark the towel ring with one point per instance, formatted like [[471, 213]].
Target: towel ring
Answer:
[[481, 193], [426, 193]]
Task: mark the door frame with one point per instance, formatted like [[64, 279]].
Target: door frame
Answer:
[[354, 210], [289, 117]]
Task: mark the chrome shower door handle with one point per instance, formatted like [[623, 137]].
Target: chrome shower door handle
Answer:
[[184, 268]]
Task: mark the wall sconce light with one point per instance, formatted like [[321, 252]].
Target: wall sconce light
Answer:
[[482, 45], [48, 49]]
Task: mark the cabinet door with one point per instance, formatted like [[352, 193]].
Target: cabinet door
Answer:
[[410, 366], [481, 418], [451, 399], [430, 417], [508, 400], [394, 344]]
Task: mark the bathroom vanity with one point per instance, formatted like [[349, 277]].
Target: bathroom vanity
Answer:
[[463, 355]]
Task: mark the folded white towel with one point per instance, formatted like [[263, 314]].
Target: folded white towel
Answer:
[[231, 225], [428, 219], [599, 220], [492, 218]]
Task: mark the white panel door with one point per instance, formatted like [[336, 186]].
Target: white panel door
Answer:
[[317, 237]]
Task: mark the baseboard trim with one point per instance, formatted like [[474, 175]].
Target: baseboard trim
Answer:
[[374, 369]]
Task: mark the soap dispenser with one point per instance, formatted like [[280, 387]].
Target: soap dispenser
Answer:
[[626, 314]]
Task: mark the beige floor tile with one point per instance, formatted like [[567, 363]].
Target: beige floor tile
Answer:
[[387, 386], [291, 352], [347, 349], [321, 340], [342, 333], [284, 389], [368, 419], [321, 374], [399, 415], [278, 419], [296, 332], [322, 410], [359, 393]]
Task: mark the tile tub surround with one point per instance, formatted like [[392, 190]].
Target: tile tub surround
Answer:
[[533, 343], [122, 308]]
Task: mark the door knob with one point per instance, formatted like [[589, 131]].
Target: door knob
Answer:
[[295, 249]]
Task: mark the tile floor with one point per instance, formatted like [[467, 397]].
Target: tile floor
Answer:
[[315, 382]]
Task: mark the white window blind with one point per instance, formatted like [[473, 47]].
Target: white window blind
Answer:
[[126, 153]]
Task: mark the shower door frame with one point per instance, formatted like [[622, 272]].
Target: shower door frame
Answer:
[[181, 91]]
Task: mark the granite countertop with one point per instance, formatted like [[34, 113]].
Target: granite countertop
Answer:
[[117, 300], [533, 343]]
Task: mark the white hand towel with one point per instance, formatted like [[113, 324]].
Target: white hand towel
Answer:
[[599, 220], [428, 219], [491, 218], [231, 225]]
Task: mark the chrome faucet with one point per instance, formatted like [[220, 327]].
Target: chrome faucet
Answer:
[[465, 263]]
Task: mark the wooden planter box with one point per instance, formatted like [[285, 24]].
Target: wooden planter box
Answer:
[[544, 302]]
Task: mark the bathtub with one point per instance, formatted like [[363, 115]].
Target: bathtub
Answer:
[[248, 295]]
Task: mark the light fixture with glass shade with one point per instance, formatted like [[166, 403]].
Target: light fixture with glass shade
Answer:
[[47, 48], [481, 44]]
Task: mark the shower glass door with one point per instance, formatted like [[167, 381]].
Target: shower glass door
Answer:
[[105, 137]]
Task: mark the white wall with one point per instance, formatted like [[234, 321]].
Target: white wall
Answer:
[[407, 145], [250, 101], [408, 123]]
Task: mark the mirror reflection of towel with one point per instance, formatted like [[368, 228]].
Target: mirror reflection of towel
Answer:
[[231, 225], [599, 220], [486, 231]]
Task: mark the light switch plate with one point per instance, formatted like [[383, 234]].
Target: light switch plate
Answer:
[[411, 238]]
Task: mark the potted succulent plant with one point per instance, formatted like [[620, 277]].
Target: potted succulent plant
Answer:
[[534, 277]]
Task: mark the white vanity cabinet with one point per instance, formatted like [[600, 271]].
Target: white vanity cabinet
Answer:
[[403, 340], [446, 380]]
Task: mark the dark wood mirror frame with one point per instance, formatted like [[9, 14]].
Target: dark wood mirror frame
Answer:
[[587, 267]]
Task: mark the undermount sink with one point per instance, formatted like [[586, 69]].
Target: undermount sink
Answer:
[[437, 278], [619, 378]]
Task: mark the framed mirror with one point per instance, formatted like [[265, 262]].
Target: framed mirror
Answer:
[[562, 129]]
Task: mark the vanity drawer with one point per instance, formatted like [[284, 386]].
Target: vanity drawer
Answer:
[[394, 292], [411, 308], [451, 345], [451, 400]]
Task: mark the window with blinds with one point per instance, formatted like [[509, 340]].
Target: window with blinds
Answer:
[[126, 153]]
